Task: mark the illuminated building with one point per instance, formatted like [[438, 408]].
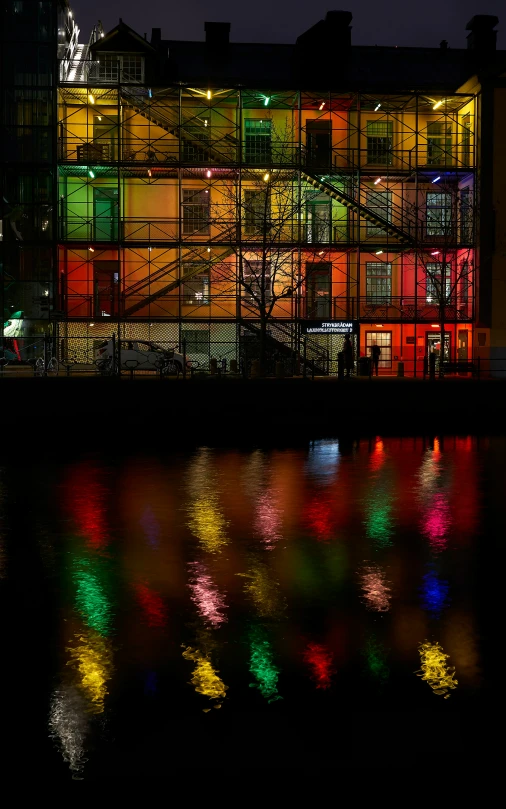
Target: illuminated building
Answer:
[[177, 163]]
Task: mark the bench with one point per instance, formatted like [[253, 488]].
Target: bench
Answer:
[[462, 367]]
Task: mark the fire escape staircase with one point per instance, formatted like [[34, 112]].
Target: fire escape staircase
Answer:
[[167, 269], [190, 130], [317, 357], [326, 186]]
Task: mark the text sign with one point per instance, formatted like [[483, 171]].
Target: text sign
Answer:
[[329, 326]]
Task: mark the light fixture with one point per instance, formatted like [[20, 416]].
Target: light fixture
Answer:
[[91, 249], [150, 249], [149, 173], [434, 325], [377, 181], [208, 249], [379, 325], [321, 253], [209, 95], [437, 178], [102, 34], [378, 252], [46, 292], [435, 253], [266, 100], [206, 191], [266, 176], [99, 117], [437, 104], [91, 173], [91, 98], [150, 93], [321, 105], [205, 121], [92, 324], [376, 108], [70, 14], [208, 173]]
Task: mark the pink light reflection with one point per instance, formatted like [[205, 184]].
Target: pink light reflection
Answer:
[[205, 595], [267, 519], [437, 521], [375, 589]]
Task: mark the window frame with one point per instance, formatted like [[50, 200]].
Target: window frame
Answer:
[[193, 222], [383, 363], [431, 283], [380, 298], [383, 210], [380, 147]]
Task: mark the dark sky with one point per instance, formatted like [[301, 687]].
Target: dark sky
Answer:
[[391, 22]]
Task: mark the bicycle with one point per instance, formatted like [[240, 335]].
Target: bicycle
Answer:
[[41, 369]]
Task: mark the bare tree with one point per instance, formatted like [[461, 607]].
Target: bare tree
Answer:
[[274, 247]]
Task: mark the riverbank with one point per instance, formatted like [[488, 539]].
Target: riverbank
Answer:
[[152, 410]]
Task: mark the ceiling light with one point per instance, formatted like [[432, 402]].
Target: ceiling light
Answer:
[[321, 105], [437, 178], [209, 95], [377, 181], [376, 108], [437, 104], [91, 98], [434, 325], [91, 249], [91, 173], [378, 252], [266, 100], [266, 176], [379, 325], [208, 173]]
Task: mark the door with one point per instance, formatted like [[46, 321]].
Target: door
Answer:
[[319, 220], [462, 353], [434, 346], [319, 288], [319, 143], [105, 288], [105, 135], [105, 213]]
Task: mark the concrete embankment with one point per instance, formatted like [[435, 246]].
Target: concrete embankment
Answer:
[[149, 411]]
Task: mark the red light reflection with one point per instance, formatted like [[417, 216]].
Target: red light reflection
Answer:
[[320, 662], [152, 605]]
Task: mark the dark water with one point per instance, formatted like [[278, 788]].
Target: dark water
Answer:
[[262, 608]]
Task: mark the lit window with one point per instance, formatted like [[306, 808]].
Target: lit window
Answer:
[[378, 281], [383, 339]]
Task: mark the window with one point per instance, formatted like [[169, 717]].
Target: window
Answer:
[[196, 140], [114, 66], [439, 214], [433, 283], [257, 277], [466, 140], [466, 216], [383, 339], [257, 211], [258, 141], [378, 281], [197, 341], [196, 213], [465, 281], [319, 220], [195, 283], [380, 142], [379, 203], [439, 144]]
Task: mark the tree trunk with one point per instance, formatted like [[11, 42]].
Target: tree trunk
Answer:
[[442, 336], [263, 346]]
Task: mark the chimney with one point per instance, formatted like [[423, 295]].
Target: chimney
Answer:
[[156, 36], [338, 28], [444, 44], [217, 34], [482, 38]]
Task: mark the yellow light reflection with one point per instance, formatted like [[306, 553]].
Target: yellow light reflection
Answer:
[[204, 678], [263, 589], [434, 669], [92, 656], [207, 523]]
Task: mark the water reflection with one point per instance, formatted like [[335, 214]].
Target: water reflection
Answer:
[[435, 593], [375, 589], [91, 655], [435, 670], [434, 489], [262, 665], [69, 726], [205, 595], [320, 663], [239, 578], [205, 519], [205, 678]]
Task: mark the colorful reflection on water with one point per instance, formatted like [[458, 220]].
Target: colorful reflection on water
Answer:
[[262, 580]]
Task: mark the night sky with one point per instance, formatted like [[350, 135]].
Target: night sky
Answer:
[[392, 22]]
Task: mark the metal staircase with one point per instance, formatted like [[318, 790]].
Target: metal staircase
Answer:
[[190, 129], [326, 186], [167, 269], [317, 357]]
